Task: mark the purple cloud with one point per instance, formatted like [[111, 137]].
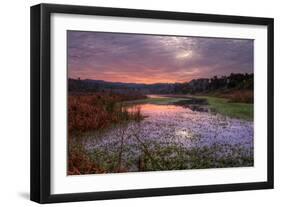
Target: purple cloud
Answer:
[[153, 58]]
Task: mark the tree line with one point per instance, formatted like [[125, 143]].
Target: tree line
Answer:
[[233, 81]]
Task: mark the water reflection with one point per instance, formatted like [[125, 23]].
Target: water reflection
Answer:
[[156, 108], [155, 96]]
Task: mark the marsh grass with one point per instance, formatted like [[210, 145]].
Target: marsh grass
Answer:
[[98, 111], [79, 161], [239, 96], [231, 109], [175, 157]]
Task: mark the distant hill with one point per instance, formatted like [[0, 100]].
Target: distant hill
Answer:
[[88, 85], [233, 81]]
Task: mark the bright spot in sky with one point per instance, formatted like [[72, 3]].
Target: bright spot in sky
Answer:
[[184, 55]]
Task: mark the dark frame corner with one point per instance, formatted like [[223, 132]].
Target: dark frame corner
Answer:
[[40, 102]]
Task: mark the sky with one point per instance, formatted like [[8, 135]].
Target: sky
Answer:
[[138, 58]]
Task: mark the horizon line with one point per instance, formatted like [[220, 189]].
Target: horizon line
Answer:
[[219, 76]]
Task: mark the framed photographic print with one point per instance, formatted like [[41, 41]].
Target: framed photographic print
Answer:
[[133, 103]]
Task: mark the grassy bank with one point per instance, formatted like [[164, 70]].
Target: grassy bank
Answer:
[[235, 110]]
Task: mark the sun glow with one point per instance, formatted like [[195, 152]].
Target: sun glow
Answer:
[[184, 55]]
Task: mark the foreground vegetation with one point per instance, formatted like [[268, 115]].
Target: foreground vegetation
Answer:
[[170, 157], [175, 157], [79, 162]]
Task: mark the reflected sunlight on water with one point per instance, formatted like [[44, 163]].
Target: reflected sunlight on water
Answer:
[[155, 96], [154, 108]]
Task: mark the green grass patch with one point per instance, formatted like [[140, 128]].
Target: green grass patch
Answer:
[[235, 110]]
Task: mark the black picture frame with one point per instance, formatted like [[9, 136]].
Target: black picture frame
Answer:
[[41, 95]]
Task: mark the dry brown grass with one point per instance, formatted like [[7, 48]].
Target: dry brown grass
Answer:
[[79, 162], [98, 111], [239, 96]]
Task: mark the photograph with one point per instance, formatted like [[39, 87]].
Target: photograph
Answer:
[[150, 102]]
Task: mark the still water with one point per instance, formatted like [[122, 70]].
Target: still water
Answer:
[[166, 126]]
